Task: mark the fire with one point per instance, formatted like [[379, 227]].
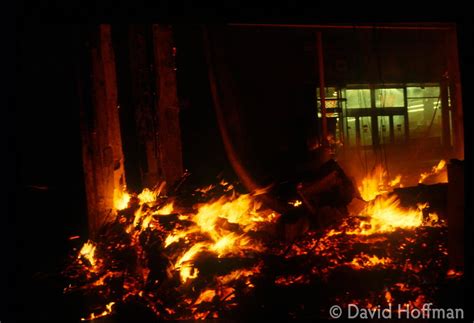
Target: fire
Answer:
[[215, 220], [198, 261], [87, 252], [146, 196], [434, 171], [377, 183], [121, 199], [385, 215]]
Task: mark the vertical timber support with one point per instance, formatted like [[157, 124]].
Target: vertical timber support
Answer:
[[143, 105], [102, 154], [167, 107]]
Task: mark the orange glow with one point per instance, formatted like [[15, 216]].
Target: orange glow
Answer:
[[212, 253], [364, 261], [121, 199], [385, 215], [206, 296], [434, 171], [146, 196], [377, 183], [107, 311], [88, 252]]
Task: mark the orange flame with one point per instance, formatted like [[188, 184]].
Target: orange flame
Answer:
[[121, 199], [434, 171], [87, 252], [377, 183]]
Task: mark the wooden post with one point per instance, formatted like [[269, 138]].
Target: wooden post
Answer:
[[143, 105], [100, 128], [167, 108]]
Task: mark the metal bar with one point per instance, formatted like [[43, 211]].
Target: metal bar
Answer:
[[405, 119], [392, 130]]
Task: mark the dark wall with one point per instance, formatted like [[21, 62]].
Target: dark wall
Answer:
[[203, 152], [50, 201], [362, 56]]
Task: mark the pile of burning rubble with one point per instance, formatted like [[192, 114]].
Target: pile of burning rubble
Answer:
[[216, 253]]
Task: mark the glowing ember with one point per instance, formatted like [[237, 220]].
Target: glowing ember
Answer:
[[365, 261], [201, 261], [107, 311], [295, 203]]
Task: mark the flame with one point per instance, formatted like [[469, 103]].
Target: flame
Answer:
[[215, 220], [230, 231], [434, 171], [146, 196], [385, 215], [376, 183], [87, 252], [121, 199], [166, 209]]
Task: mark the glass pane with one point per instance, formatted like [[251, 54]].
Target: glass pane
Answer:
[[420, 92], [330, 103], [358, 99], [424, 117], [350, 138], [384, 129], [389, 98], [365, 131], [330, 92], [399, 128]]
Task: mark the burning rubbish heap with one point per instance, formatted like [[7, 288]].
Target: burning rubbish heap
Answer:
[[216, 253]]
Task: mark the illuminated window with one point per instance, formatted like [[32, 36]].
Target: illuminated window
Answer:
[[424, 115], [392, 98], [357, 99]]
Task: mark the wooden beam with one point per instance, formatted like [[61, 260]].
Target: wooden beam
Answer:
[[167, 108], [100, 131], [143, 105]]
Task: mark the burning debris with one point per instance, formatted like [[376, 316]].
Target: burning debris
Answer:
[[215, 253], [436, 170]]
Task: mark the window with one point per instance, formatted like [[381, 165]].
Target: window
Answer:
[[424, 115], [357, 99], [389, 98]]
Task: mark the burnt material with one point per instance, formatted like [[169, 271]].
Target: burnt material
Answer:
[[329, 187]]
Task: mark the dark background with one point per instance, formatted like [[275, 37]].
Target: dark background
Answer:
[[48, 203]]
